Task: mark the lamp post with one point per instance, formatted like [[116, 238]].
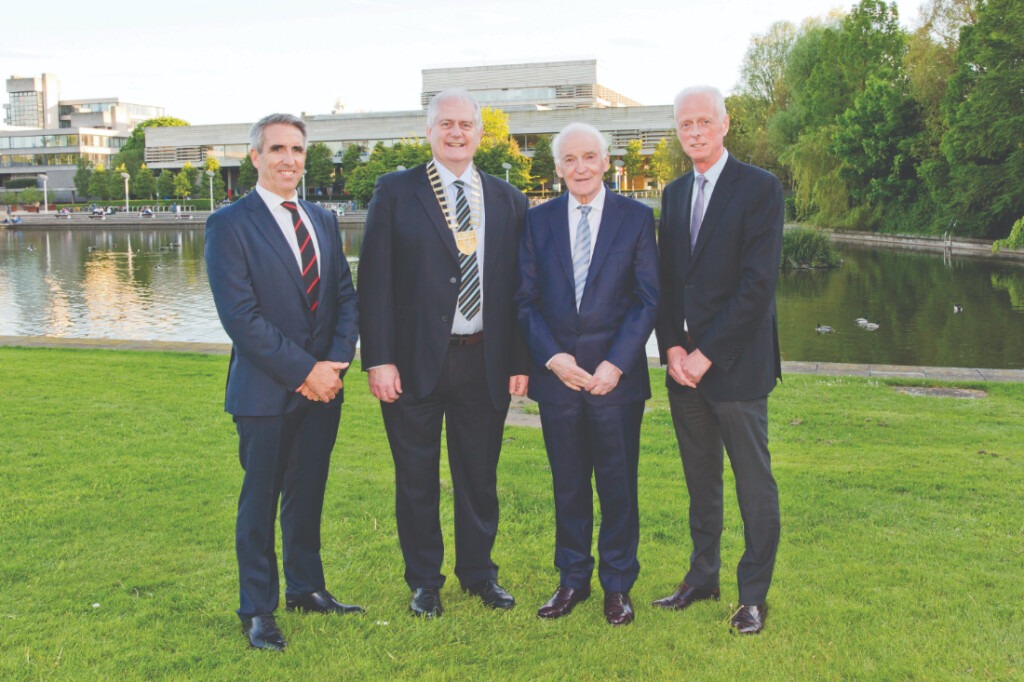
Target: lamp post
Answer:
[[46, 203], [209, 174], [507, 166], [303, 185], [619, 163], [126, 178]]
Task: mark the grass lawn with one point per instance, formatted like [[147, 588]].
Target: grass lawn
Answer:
[[902, 552]]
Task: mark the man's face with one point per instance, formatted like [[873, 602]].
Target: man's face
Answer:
[[701, 130], [454, 136], [282, 159], [582, 165]]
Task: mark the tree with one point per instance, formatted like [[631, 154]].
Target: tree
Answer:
[[406, 153], [633, 162], [350, 160], [194, 177], [133, 154], [183, 184], [220, 191], [30, 196], [319, 166], [542, 169], [98, 183], [82, 176], [143, 183], [985, 116], [668, 161], [248, 176], [498, 147], [165, 184], [115, 183]]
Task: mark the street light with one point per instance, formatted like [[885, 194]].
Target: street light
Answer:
[[507, 166], [46, 204], [126, 178], [303, 185], [619, 163], [209, 173]]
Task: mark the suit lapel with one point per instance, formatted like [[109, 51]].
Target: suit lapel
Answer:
[[268, 228], [426, 196], [720, 198], [609, 229], [323, 239], [495, 227], [559, 221]]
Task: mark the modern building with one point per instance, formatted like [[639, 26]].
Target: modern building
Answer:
[[48, 135], [539, 98]]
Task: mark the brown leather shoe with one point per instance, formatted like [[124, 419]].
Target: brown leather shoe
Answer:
[[749, 619], [563, 602], [684, 596], [618, 610]]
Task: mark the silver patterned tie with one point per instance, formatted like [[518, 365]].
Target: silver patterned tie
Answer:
[[469, 280], [698, 211], [581, 254]]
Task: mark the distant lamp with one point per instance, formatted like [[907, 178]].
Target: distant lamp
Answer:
[[507, 166], [126, 179], [210, 175], [46, 203]]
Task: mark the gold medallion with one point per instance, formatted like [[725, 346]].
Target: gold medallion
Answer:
[[466, 241]]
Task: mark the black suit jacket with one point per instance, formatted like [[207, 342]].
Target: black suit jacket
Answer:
[[725, 290], [260, 298], [409, 282]]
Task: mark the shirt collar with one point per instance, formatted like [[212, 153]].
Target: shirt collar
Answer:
[[448, 177], [273, 200], [715, 171], [596, 204]]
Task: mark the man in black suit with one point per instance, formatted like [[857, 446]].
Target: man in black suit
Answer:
[[721, 242], [587, 305], [284, 294], [437, 272]]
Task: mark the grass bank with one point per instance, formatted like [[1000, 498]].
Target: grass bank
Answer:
[[901, 556]]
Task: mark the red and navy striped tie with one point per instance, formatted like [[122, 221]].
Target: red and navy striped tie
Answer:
[[310, 269]]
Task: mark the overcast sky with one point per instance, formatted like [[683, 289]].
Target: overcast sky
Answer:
[[232, 62]]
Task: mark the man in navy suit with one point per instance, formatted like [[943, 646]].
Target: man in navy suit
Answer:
[[284, 294], [721, 241], [437, 272], [587, 305]]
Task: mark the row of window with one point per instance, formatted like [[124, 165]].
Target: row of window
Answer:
[[70, 140]]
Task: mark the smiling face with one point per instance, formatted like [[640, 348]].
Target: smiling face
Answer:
[[281, 161], [454, 135], [582, 165], [701, 129]]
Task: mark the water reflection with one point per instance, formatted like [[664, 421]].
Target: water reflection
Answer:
[[152, 285]]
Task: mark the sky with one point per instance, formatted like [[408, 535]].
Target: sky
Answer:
[[224, 61]]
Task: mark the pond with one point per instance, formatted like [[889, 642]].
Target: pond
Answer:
[[151, 284]]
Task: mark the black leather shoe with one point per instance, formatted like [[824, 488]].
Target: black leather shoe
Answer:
[[618, 609], [320, 602], [684, 596], [263, 633], [492, 594], [749, 619], [426, 602], [563, 601]]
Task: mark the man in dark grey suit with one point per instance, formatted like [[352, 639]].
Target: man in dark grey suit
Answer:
[[284, 294], [437, 271], [721, 241]]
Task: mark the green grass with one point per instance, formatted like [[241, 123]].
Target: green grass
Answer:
[[902, 552]]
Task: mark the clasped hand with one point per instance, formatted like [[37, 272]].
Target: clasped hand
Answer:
[[604, 379], [324, 381]]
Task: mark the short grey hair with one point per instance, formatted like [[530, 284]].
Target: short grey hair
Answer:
[[450, 94], [256, 133], [573, 128], [715, 93]]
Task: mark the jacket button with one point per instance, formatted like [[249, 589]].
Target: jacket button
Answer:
[[444, 318], [453, 280]]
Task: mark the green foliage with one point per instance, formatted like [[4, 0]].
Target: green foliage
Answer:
[[220, 191], [808, 248], [30, 196], [137, 140], [542, 167], [668, 161], [165, 184], [82, 176], [498, 147], [123, 493], [115, 183], [1014, 241], [633, 163], [405, 153], [99, 183], [143, 183], [248, 176], [184, 182], [319, 166]]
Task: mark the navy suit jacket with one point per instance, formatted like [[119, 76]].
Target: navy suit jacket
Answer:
[[261, 301], [725, 290], [409, 282], [619, 304]]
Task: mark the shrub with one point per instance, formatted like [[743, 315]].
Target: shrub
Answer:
[[807, 248]]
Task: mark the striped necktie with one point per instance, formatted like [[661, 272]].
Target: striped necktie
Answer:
[[310, 268], [698, 211], [581, 254], [469, 280]]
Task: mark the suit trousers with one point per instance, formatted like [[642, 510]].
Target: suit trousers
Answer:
[[474, 431], [285, 457], [604, 440], [703, 428]]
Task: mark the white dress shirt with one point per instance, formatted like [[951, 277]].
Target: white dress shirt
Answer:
[[284, 221], [460, 325]]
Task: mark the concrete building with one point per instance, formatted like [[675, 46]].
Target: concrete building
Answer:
[[540, 99], [48, 135]]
